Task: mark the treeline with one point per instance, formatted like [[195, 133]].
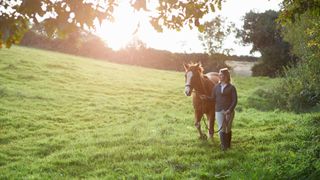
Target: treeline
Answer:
[[291, 50], [88, 45]]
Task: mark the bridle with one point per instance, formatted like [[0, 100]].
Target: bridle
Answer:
[[188, 83]]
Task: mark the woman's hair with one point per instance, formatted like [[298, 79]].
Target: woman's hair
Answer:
[[226, 74]]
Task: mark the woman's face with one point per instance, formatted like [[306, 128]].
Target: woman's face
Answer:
[[222, 77]]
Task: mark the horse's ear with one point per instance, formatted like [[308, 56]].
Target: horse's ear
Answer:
[[198, 64], [186, 66], [200, 68]]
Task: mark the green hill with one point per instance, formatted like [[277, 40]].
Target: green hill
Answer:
[[64, 117]]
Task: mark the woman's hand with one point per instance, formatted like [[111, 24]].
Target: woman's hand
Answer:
[[203, 97]]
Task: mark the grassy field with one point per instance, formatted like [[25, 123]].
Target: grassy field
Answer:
[[65, 117]]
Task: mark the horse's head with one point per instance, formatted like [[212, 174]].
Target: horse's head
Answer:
[[192, 76]]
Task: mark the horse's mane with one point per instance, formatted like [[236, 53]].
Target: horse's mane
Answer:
[[195, 67]]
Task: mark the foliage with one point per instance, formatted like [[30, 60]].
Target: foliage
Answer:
[[136, 44], [214, 34], [302, 86], [59, 17], [294, 13], [304, 36], [175, 14], [262, 31], [299, 90], [63, 17], [67, 117], [78, 43], [291, 10]]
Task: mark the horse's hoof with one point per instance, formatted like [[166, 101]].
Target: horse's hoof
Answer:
[[211, 138], [203, 137]]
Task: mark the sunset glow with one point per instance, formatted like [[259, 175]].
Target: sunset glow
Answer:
[[130, 24], [118, 33]]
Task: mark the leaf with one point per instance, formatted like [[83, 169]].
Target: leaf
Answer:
[[49, 26], [219, 4], [201, 28], [155, 23], [212, 7], [139, 4], [8, 43]]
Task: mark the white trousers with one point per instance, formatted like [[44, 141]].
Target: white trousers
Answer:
[[222, 124]]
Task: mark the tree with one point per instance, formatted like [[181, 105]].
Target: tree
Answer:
[[214, 34], [61, 17], [291, 13], [301, 85], [292, 9], [262, 30], [299, 89], [136, 44]]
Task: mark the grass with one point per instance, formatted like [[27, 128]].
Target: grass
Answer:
[[65, 117]]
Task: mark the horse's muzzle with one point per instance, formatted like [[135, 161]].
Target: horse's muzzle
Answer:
[[187, 91]]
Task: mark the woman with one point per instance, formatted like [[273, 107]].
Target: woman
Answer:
[[225, 96]]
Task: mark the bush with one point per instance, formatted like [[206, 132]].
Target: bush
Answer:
[[301, 85], [262, 69], [298, 91]]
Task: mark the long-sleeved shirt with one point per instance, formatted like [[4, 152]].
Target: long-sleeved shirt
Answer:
[[226, 100]]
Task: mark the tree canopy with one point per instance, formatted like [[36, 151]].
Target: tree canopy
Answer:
[[214, 34], [62, 17], [261, 29], [291, 10], [294, 10]]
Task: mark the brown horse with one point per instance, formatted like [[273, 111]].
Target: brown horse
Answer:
[[202, 84]]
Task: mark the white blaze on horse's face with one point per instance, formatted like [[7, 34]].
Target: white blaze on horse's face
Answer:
[[188, 88]]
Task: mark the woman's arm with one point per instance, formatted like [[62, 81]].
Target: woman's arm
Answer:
[[234, 98]]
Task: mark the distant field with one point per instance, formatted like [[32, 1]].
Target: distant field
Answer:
[[241, 68], [65, 117]]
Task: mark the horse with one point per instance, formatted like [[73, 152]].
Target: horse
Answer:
[[203, 85]]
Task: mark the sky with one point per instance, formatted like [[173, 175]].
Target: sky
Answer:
[[119, 33]]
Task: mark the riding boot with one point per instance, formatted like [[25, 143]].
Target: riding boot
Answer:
[[223, 141], [228, 139]]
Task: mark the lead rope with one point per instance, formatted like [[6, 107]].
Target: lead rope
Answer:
[[208, 128]]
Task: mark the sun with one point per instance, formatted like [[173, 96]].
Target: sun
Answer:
[[119, 33]]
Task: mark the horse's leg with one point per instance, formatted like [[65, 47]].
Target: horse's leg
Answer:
[[198, 115], [210, 117]]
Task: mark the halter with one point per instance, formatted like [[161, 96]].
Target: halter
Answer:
[[202, 86]]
